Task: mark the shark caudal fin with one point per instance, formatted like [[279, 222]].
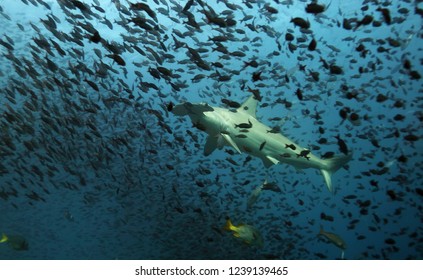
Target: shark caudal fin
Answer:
[[332, 165]]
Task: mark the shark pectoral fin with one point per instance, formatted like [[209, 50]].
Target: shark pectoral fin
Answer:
[[230, 142], [269, 161], [211, 145], [327, 175], [272, 159]]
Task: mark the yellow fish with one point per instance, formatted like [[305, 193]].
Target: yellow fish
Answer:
[[17, 242], [4, 238], [335, 239], [254, 195], [248, 234]]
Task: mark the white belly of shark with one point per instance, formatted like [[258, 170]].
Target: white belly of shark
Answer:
[[241, 130]]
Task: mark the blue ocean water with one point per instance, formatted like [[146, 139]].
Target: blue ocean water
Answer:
[[94, 164]]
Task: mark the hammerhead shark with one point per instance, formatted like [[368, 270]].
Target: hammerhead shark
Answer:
[[240, 129]]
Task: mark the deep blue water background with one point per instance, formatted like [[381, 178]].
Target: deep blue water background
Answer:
[[140, 192]]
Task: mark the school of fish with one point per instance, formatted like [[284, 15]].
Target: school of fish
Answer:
[[97, 160]]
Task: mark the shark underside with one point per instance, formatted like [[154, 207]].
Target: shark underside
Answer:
[[241, 130]]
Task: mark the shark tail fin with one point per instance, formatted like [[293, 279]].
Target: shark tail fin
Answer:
[[332, 165]]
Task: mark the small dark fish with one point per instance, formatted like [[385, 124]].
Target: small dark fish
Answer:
[[411, 137], [292, 47], [200, 184], [230, 103], [244, 125], [299, 94], [301, 22], [188, 5], [381, 98], [315, 8], [117, 58], [342, 145], [407, 64], [256, 76], [140, 22], [217, 64], [262, 145], [386, 15], [291, 146], [364, 204], [414, 75], [325, 217], [322, 141], [256, 93], [346, 24], [402, 159], [304, 154], [232, 161], [315, 75], [343, 113], [95, 38], [334, 69], [390, 241], [79, 5], [246, 182], [252, 63], [312, 46], [365, 21], [92, 84], [271, 187], [391, 194], [289, 37], [275, 129], [241, 136], [377, 219], [170, 106], [270, 9], [144, 7]]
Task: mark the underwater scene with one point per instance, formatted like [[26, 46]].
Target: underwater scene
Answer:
[[224, 129]]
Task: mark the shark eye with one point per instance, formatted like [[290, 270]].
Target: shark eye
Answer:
[[246, 108]]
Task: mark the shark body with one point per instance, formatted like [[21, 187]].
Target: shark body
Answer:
[[241, 130]]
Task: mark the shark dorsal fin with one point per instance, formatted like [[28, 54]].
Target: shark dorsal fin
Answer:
[[249, 106]]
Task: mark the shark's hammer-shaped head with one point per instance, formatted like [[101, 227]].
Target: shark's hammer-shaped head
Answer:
[[187, 108], [201, 115]]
